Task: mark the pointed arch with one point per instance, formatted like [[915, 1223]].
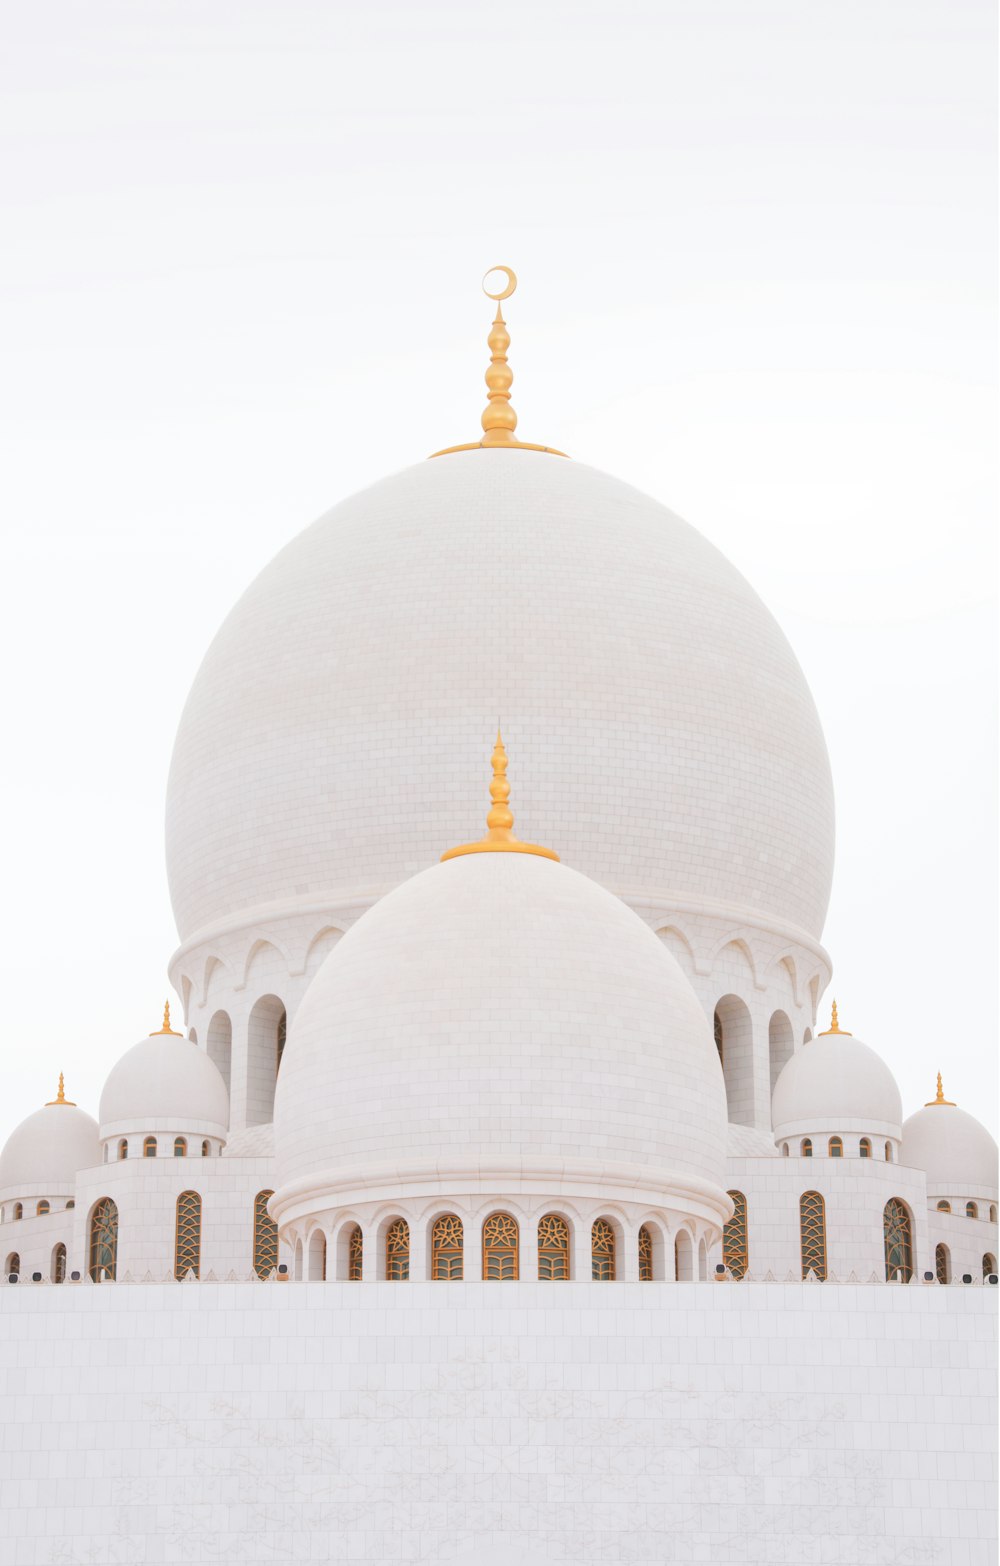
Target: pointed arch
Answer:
[[58, 1267], [942, 1264], [780, 1044], [735, 949], [263, 953], [678, 946], [219, 1045], [733, 1027], [187, 1235], [265, 1038], [102, 1252], [897, 1231], [812, 1234], [320, 947]]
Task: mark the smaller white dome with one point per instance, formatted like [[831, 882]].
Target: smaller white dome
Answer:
[[165, 1082], [956, 1153], [836, 1083], [43, 1155]]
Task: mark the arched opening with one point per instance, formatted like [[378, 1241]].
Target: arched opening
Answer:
[[446, 1248], [865, 1148], [70, 1205], [265, 1236], [12, 1266], [149, 1147], [683, 1257], [397, 1251], [206, 1148], [316, 1265], [500, 1247], [943, 1206], [735, 1248], [219, 1045], [355, 1255], [18, 1210], [993, 1212], [806, 1147], [297, 1261], [180, 1147], [645, 1255], [265, 1042], [971, 1210], [702, 1260], [553, 1247], [43, 1207], [734, 1037], [784, 1149], [898, 1234], [102, 1256], [123, 1148], [812, 1234], [888, 1152], [602, 1252], [57, 1271], [989, 1266], [942, 1264], [187, 1235], [836, 1147], [780, 1044]]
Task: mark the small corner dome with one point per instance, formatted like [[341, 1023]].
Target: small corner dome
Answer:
[[45, 1153], [165, 1082], [836, 1083], [955, 1151], [499, 1022]]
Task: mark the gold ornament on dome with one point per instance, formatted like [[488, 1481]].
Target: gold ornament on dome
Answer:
[[835, 1026], [60, 1097], [166, 1028], [499, 420], [939, 1098], [499, 837]]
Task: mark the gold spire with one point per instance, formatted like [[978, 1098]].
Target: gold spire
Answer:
[[166, 1024], [499, 837], [60, 1097], [499, 420], [940, 1099], [835, 1025]]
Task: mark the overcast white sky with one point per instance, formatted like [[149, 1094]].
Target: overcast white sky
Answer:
[[240, 279]]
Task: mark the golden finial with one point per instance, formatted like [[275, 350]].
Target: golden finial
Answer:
[[499, 420], [835, 1025], [940, 1099], [499, 837], [166, 1024], [60, 1097]]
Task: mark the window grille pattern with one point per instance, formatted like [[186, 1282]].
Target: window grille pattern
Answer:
[[836, 1148], [898, 1241], [13, 1263], [103, 1253], [971, 1210], [500, 1247], [942, 1271], [397, 1251], [553, 1247], [735, 1251], [43, 1207], [812, 1233], [59, 1264], [149, 1147], [645, 1255], [865, 1148], [989, 1264], [187, 1235], [806, 1148], [602, 1252], [180, 1147], [446, 1247], [265, 1236], [355, 1255]]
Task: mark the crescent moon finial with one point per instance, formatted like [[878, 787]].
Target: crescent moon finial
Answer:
[[506, 292]]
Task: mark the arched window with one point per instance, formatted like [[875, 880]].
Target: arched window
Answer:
[[993, 1212], [735, 1253], [123, 1148], [265, 1236], [316, 1269], [683, 1257], [784, 1149], [942, 1264], [206, 1149], [149, 1147], [806, 1149], [645, 1255], [898, 1234], [397, 1251], [865, 1147], [971, 1210], [187, 1235], [59, 1264], [943, 1206], [12, 1264], [70, 1205], [18, 1210], [812, 1234], [888, 1152], [500, 1247], [553, 1247], [103, 1252], [989, 1265], [180, 1147], [446, 1247], [602, 1252], [355, 1255], [836, 1147], [43, 1207]]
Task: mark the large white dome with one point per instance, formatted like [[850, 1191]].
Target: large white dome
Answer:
[[836, 1083], [43, 1155], [664, 734], [164, 1081], [499, 1019], [955, 1151]]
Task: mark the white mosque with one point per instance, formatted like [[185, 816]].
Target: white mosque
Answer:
[[407, 1059]]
